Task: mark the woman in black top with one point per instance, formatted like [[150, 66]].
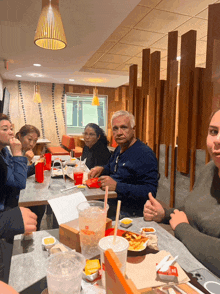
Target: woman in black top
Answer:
[[95, 151]]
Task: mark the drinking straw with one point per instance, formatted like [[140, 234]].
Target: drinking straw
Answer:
[[80, 162], [116, 220], [106, 198]]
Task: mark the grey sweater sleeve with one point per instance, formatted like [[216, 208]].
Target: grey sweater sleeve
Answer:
[[204, 247]]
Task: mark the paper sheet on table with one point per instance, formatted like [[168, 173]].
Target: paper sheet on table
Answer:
[[141, 270], [64, 207]]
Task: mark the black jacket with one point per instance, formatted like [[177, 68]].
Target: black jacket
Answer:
[[97, 155]]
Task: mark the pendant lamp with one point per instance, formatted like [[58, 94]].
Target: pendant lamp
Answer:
[[95, 99], [50, 32], [37, 97]]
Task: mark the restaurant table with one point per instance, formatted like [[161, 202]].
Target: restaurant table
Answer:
[[39, 193], [28, 264]]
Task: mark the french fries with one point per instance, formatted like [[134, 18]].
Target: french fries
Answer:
[[136, 241]]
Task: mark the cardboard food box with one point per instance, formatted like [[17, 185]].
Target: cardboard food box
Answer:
[[69, 233]]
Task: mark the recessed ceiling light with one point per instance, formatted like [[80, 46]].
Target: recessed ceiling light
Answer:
[[36, 64], [71, 80], [36, 75], [178, 58], [19, 76]]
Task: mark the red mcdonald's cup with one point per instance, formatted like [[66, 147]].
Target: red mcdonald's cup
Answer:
[[39, 172], [48, 157], [78, 178]]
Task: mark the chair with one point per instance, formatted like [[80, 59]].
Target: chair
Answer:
[[68, 145], [116, 283]]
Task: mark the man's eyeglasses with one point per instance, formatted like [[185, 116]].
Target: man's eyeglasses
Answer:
[[116, 164], [89, 134]]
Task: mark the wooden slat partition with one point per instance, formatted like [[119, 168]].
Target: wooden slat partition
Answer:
[[152, 101], [187, 67], [159, 116], [196, 119], [138, 111], [117, 94], [171, 56], [145, 92], [132, 88], [173, 96], [123, 98]]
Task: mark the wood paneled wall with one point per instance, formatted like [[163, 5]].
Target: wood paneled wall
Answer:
[[179, 118]]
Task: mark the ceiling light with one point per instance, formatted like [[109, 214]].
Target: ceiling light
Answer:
[[71, 80], [95, 99], [36, 75], [50, 32], [36, 64], [19, 76], [178, 58]]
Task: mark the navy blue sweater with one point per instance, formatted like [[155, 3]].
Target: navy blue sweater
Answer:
[[136, 174]]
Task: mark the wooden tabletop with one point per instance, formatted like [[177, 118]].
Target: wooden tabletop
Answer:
[[39, 193]]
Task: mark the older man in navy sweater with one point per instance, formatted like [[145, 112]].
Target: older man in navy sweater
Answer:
[[132, 171]]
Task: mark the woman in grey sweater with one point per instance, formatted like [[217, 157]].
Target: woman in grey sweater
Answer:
[[198, 224]]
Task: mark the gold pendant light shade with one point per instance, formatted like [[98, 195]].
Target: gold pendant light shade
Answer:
[[50, 32], [95, 99]]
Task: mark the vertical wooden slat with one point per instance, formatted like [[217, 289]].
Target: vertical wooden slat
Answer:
[[153, 92], [197, 99], [132, 88], [145, 91], [187, 67], [123, 98], [117, 94], [171, 56], [159, 114], [138, 121], [212, 91], [173, 95]]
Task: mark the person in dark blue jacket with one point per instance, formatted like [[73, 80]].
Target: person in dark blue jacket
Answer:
[[13, 221], [16, 165], [132, 171]]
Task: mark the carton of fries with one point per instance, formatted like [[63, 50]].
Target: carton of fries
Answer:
[[137, 242]]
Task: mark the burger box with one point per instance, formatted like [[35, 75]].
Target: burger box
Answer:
[[69, 233]]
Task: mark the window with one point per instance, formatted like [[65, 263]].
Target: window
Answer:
[[80, 112]]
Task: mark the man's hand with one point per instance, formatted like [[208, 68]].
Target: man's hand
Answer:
[[16, 147], [108, 181], [95, 172], [153, 210], [29, 154], [178, 217], [29, 219]]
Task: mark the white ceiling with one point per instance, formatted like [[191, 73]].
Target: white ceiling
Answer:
[[104, 38]]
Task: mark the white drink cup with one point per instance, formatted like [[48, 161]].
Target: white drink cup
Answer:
[[92, 224], [64, 272], [120, 247]]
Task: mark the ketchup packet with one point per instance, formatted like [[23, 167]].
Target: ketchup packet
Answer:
[[93, 183], [170, 275]]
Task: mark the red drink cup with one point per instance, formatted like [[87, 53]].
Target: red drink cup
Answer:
[[78, 178], [39, 172], [48, 157]]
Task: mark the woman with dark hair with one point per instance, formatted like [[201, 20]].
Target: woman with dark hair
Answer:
[[95, 150], [28, 136]]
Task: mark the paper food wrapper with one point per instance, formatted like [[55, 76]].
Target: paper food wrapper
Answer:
[[142, 271]]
